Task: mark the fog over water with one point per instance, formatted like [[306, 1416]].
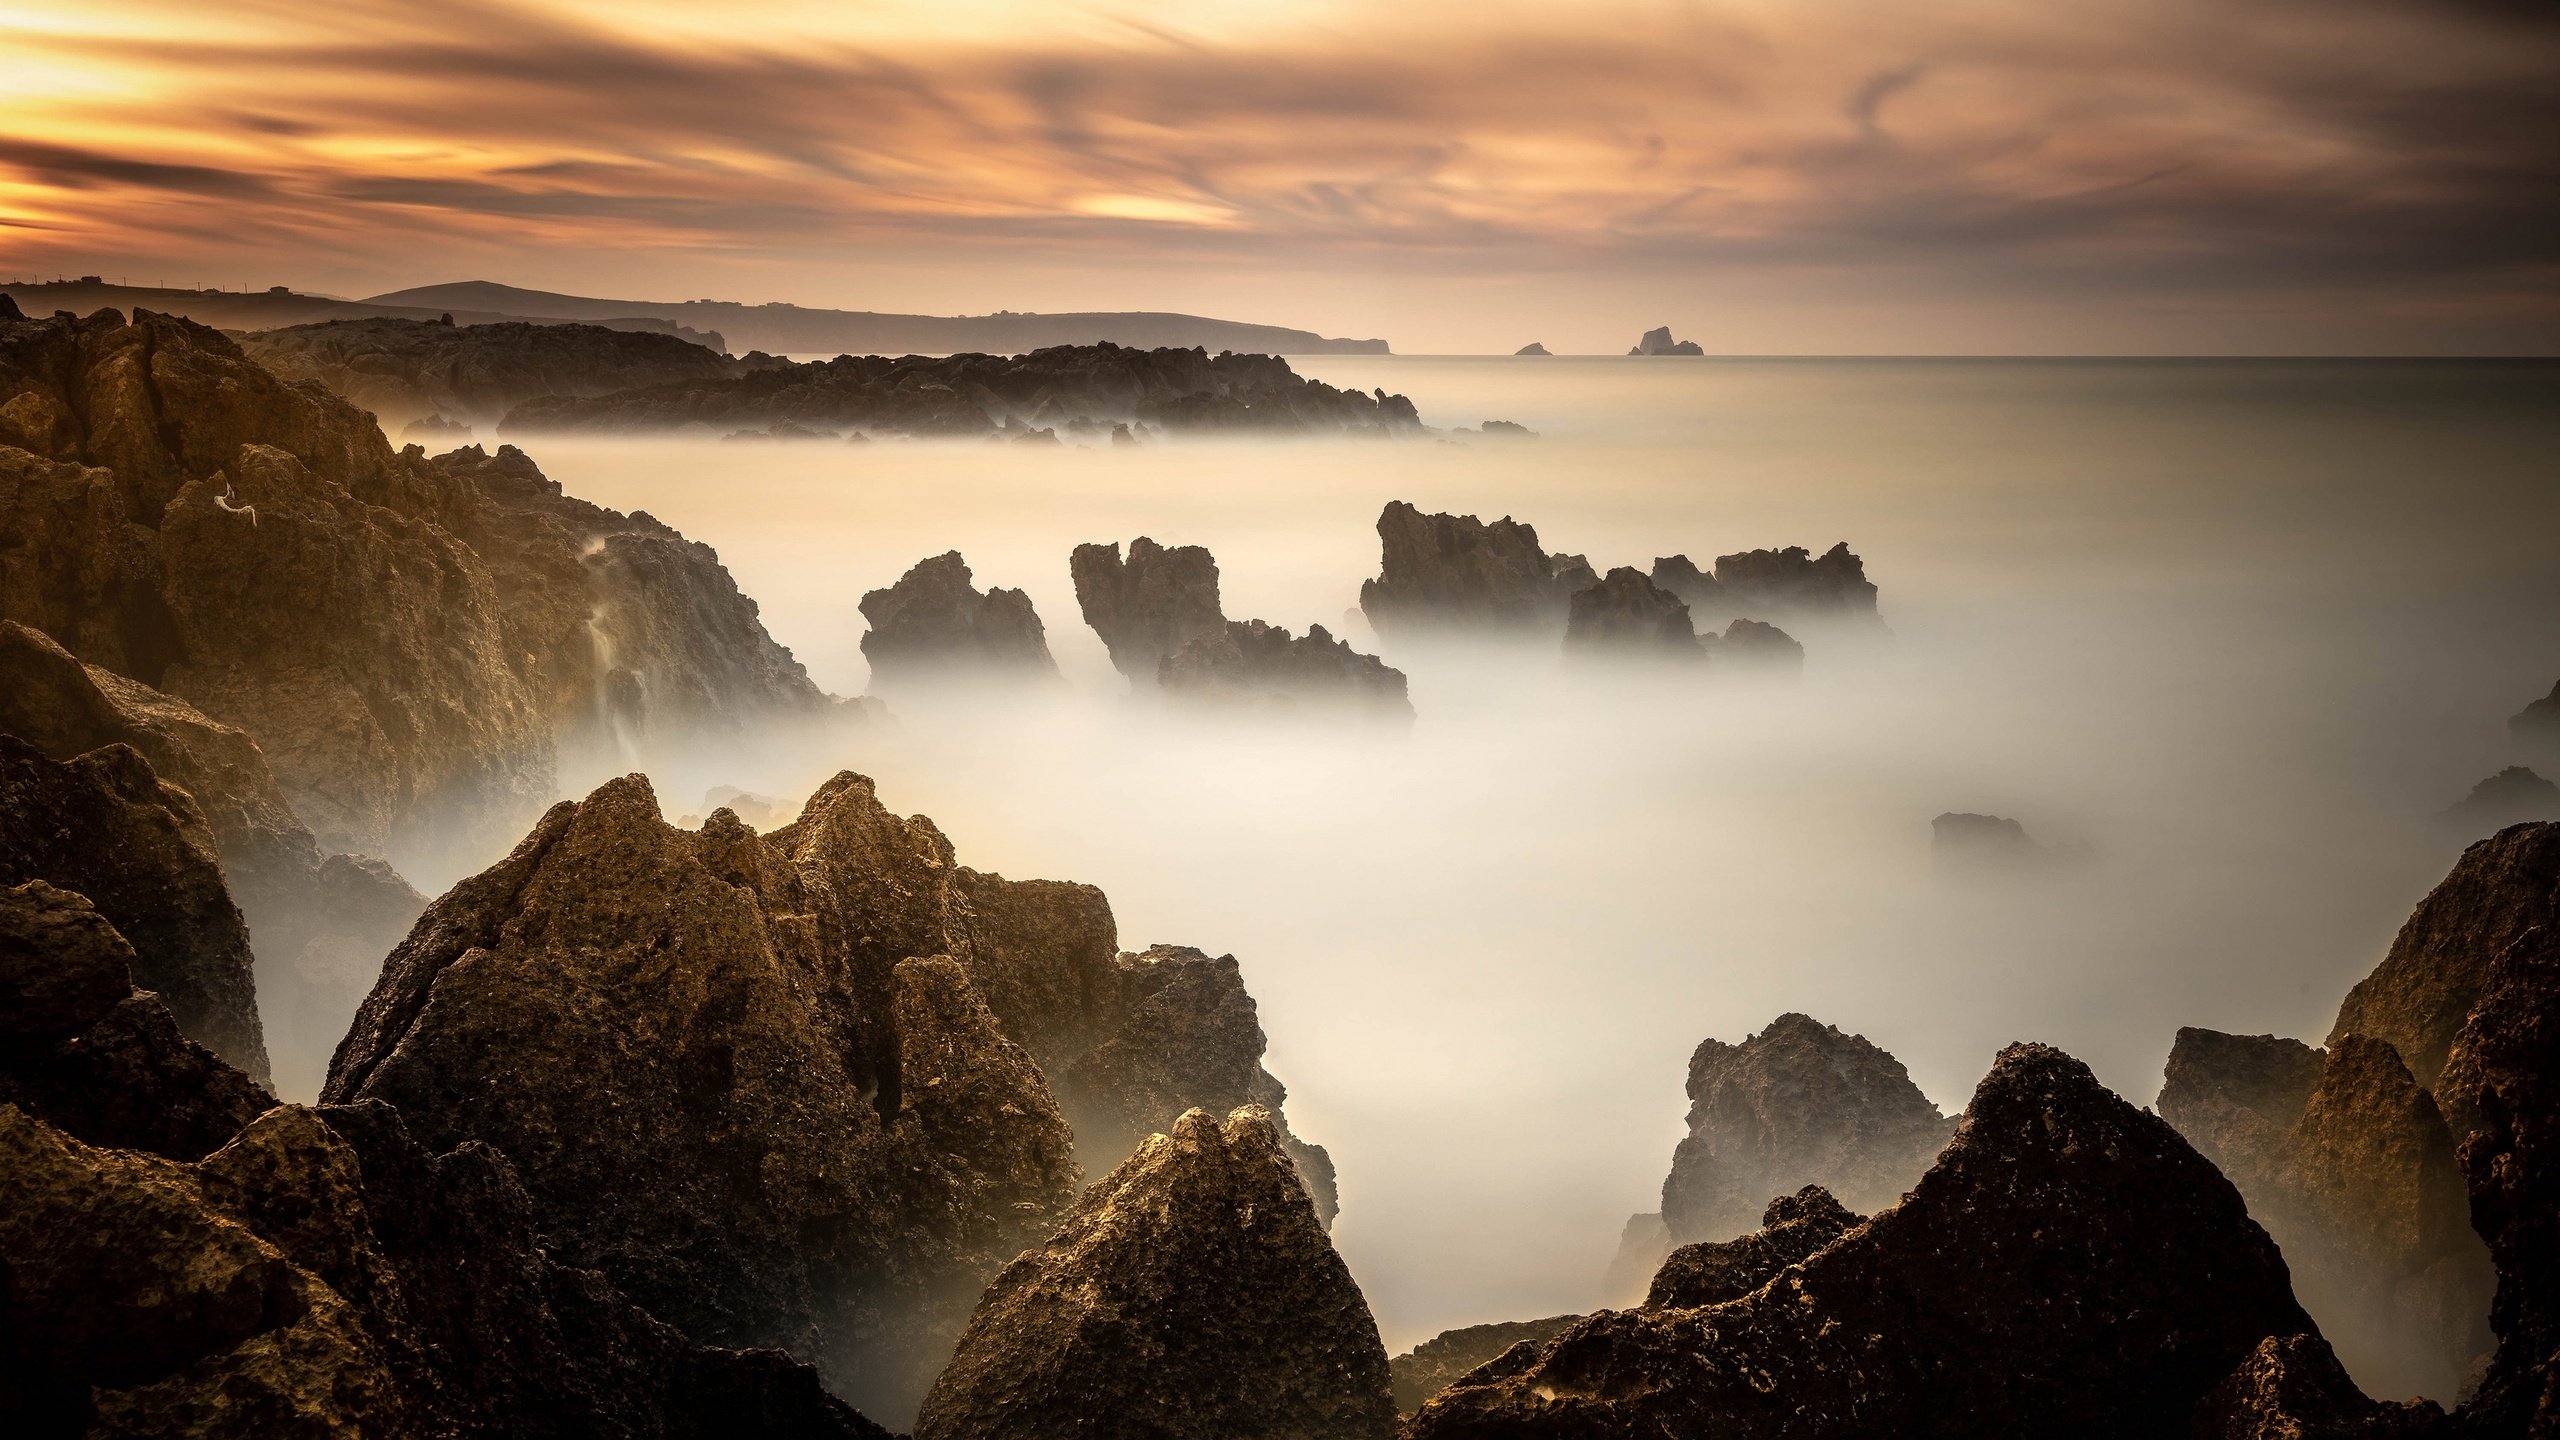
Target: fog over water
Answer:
[[2239, 629]]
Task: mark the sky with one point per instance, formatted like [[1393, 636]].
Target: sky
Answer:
[[1765, 176]]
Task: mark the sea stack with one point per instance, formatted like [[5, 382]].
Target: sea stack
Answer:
[[933, 625]]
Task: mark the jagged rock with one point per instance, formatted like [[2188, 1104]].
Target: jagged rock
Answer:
[[2417, 998], [2067, 1267], [1148, 606], [404, 370], [437, 430], [2513, 796], [318, 926], [104, 825], [933, 624], [2237, 1097], [1798, 1104], [2504, 1072], [1753, 645], [1436, 1363], [1681, 576], [1658, 341], [969, 395], [1191, 1293], [1248, 665], [1964, 836], [2536, 727], [1533, 348], [1627, 615], [1712, 1272], [2293, 1388], [1571, 574], [1458, 572], [1794, 582]]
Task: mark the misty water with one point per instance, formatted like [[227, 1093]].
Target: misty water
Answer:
[[2236, 632]]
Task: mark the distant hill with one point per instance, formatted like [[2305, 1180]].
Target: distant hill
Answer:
[[279, 307], [794, 329]]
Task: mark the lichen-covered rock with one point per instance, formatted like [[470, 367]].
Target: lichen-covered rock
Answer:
[[1246, 665], [2417, 998], [104, 825], [1436, 1363], [1192, 1293], [1456, 572], [934, 625], [1625, 615], [406, 370], [1798, 1104], [1149, 605], [2069, 1266], [2510, 797], [1712, 1272], [2293, 1388]]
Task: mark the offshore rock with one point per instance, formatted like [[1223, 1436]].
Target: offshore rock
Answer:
[[1148, 606], [1459, 573], [2513, 796], [1711, 1272], [1533, 348], [1798, 1104], [1627, 615], [1658, 341], [1793, 581], [405, 370], [104, 825], [1751, 644], [1965, 837], [1191, 1293], [1250, 666], [2536, 727], [1437, 1363], [2417, 999], [1681, 576], [2067, 1267], [933, 624]]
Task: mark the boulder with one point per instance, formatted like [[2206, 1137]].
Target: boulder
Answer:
[[1658, 341], [1436, 1363], [408, 370], [2069, 1266], [1190, 1293], [1456, 572], [2513, 796], [934, 625], [1711, 1272], [1625, 615], [1246, 665], [1148, 606]]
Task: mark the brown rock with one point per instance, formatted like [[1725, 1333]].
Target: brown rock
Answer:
[[1459, 573], [933, 625], [1628, 615], [2293, 1388], [1191, 1293], [1754, 645], [1793, 581], [1246, 665], [405, 370], [1681, 576], [1712, 1272], [1148, 606], [1437, 1363], [2510, 797]]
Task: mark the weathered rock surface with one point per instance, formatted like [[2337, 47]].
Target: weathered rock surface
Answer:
[[1250, 666], [970, 395], [1658, 341], [1456, 572], [2293, 1388], [1798, 1104], [2513, 796], [1191, 1293], [1148, 606], [2417, 999], [1436, 1363], [404, 370], [934, 625], [1625, 615], [104, 825], [2069, 1266], [1712, 1272]]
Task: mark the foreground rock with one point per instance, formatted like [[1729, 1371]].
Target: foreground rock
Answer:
[[2068, 1266], [1191, 1293], [1658, 341], [1458, 573], [2513, 796], [1149, 605], [2293, 1388], [1246, 665], [1792, 1230], [1436, 1363], [405, 370], [933, 625], [1061, 387]]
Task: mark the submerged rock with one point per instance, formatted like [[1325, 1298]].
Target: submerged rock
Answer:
[[1711, 1272], [1248, 665], [1436, 1363], [933, 624], [1148, 606], [1191, 1293], [1658, 341], [405, 370], [1626, 615], [2067, 1267], [1459, 573], [2513, 796]]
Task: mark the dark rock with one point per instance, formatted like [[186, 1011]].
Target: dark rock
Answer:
[[104, 825], [1436, 1363], [1571, 574], [437, 431], [1681, 576], [2536, 727], [1248, 665], [1798, 1104], [1752, 645], [1793, 582], [2067, 1267], [1964, 836], [1460, 573], [2417, 998], [1658, 341], [933, 625], [1712, 1272], [404, 370], [2293, 1388], [1191, 1293], [1533, 348], [2510, 797], [1147, 606], [1506, 430], [2237, 1097], [1626, 615]]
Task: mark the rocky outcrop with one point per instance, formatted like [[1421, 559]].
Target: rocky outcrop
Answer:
[[104, 825], [934, 625], [2513, 796], [1658, 341], [1436, 1363], [1711, 1272], [1533, 348], [1798, 1104], [2237, 1097], [2068, 1266], [1184, 391], [404, 370], [1681, 576], [1246, 665], [1627, 616], [1458, 573], [318, 925], [2293, 1388], [1752, 645], [1149, 605], [1767, 584], [1191, 1293], [2536, 727], [2417, 999], [1968, 838]]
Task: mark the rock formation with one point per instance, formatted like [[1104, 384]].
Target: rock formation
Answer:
[[2510, 797], [933, 624], [1752, 645], [1963, 836], [405, 370], [1766, 584], [2536, 727], [2067, 1267], [1191, 1293], [1436, 1363], [2293, 1388], [1250, 666], [1455, 572], [104, 825], [1798, 1104], [1533, 348], [1658, 341], [1148, 606], [1681, 576], [972, 395], [318, 925], [1712, 1272], [1627, 616]]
